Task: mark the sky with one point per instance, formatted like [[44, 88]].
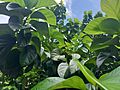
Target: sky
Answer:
[[75, 8]]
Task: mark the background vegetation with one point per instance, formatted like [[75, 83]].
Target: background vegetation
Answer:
[[42, 50]]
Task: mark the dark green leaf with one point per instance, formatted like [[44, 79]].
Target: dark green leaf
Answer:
[[28, 55], [12, 9], [110, 26], [30, 3], [14, 23], [3, 9], [23, 39], [103, 43], [37, 43], [28, 37], [41, 27], [24, 12], [11, 66], [5, 29], [38, 15], [6, 44], [13, 6]]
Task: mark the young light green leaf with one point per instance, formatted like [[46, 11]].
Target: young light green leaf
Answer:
[[111, 80], [111, 8], [93, 26], [46, 15], [53, 83]]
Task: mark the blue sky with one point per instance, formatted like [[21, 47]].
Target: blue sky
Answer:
[[75, 8]]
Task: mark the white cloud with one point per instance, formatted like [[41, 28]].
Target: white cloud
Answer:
[[68, 4], [58, 1]]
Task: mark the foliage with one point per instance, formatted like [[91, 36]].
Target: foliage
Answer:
[[42, 50]]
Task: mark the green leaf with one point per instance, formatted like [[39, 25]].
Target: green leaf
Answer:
[[75, 56], [55, 55], [37, 43], [93, 26], [46, 15], [11, 65], [65, 69], [41, 27], [45, 3], [53, 83], [5, 29], [38, 15], [14, 23], [110, 26], [96, 45], [6, 43], [12, 6], [23, 12], [111, 80], [111, 8], [101, 58], [23, 39], [20, 2], [51, 18], [87, 40], [73, 66], [62, 69], [3, 9], [13, 9], [89, 75], [30, 3], [55, 34], [28, 55]]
